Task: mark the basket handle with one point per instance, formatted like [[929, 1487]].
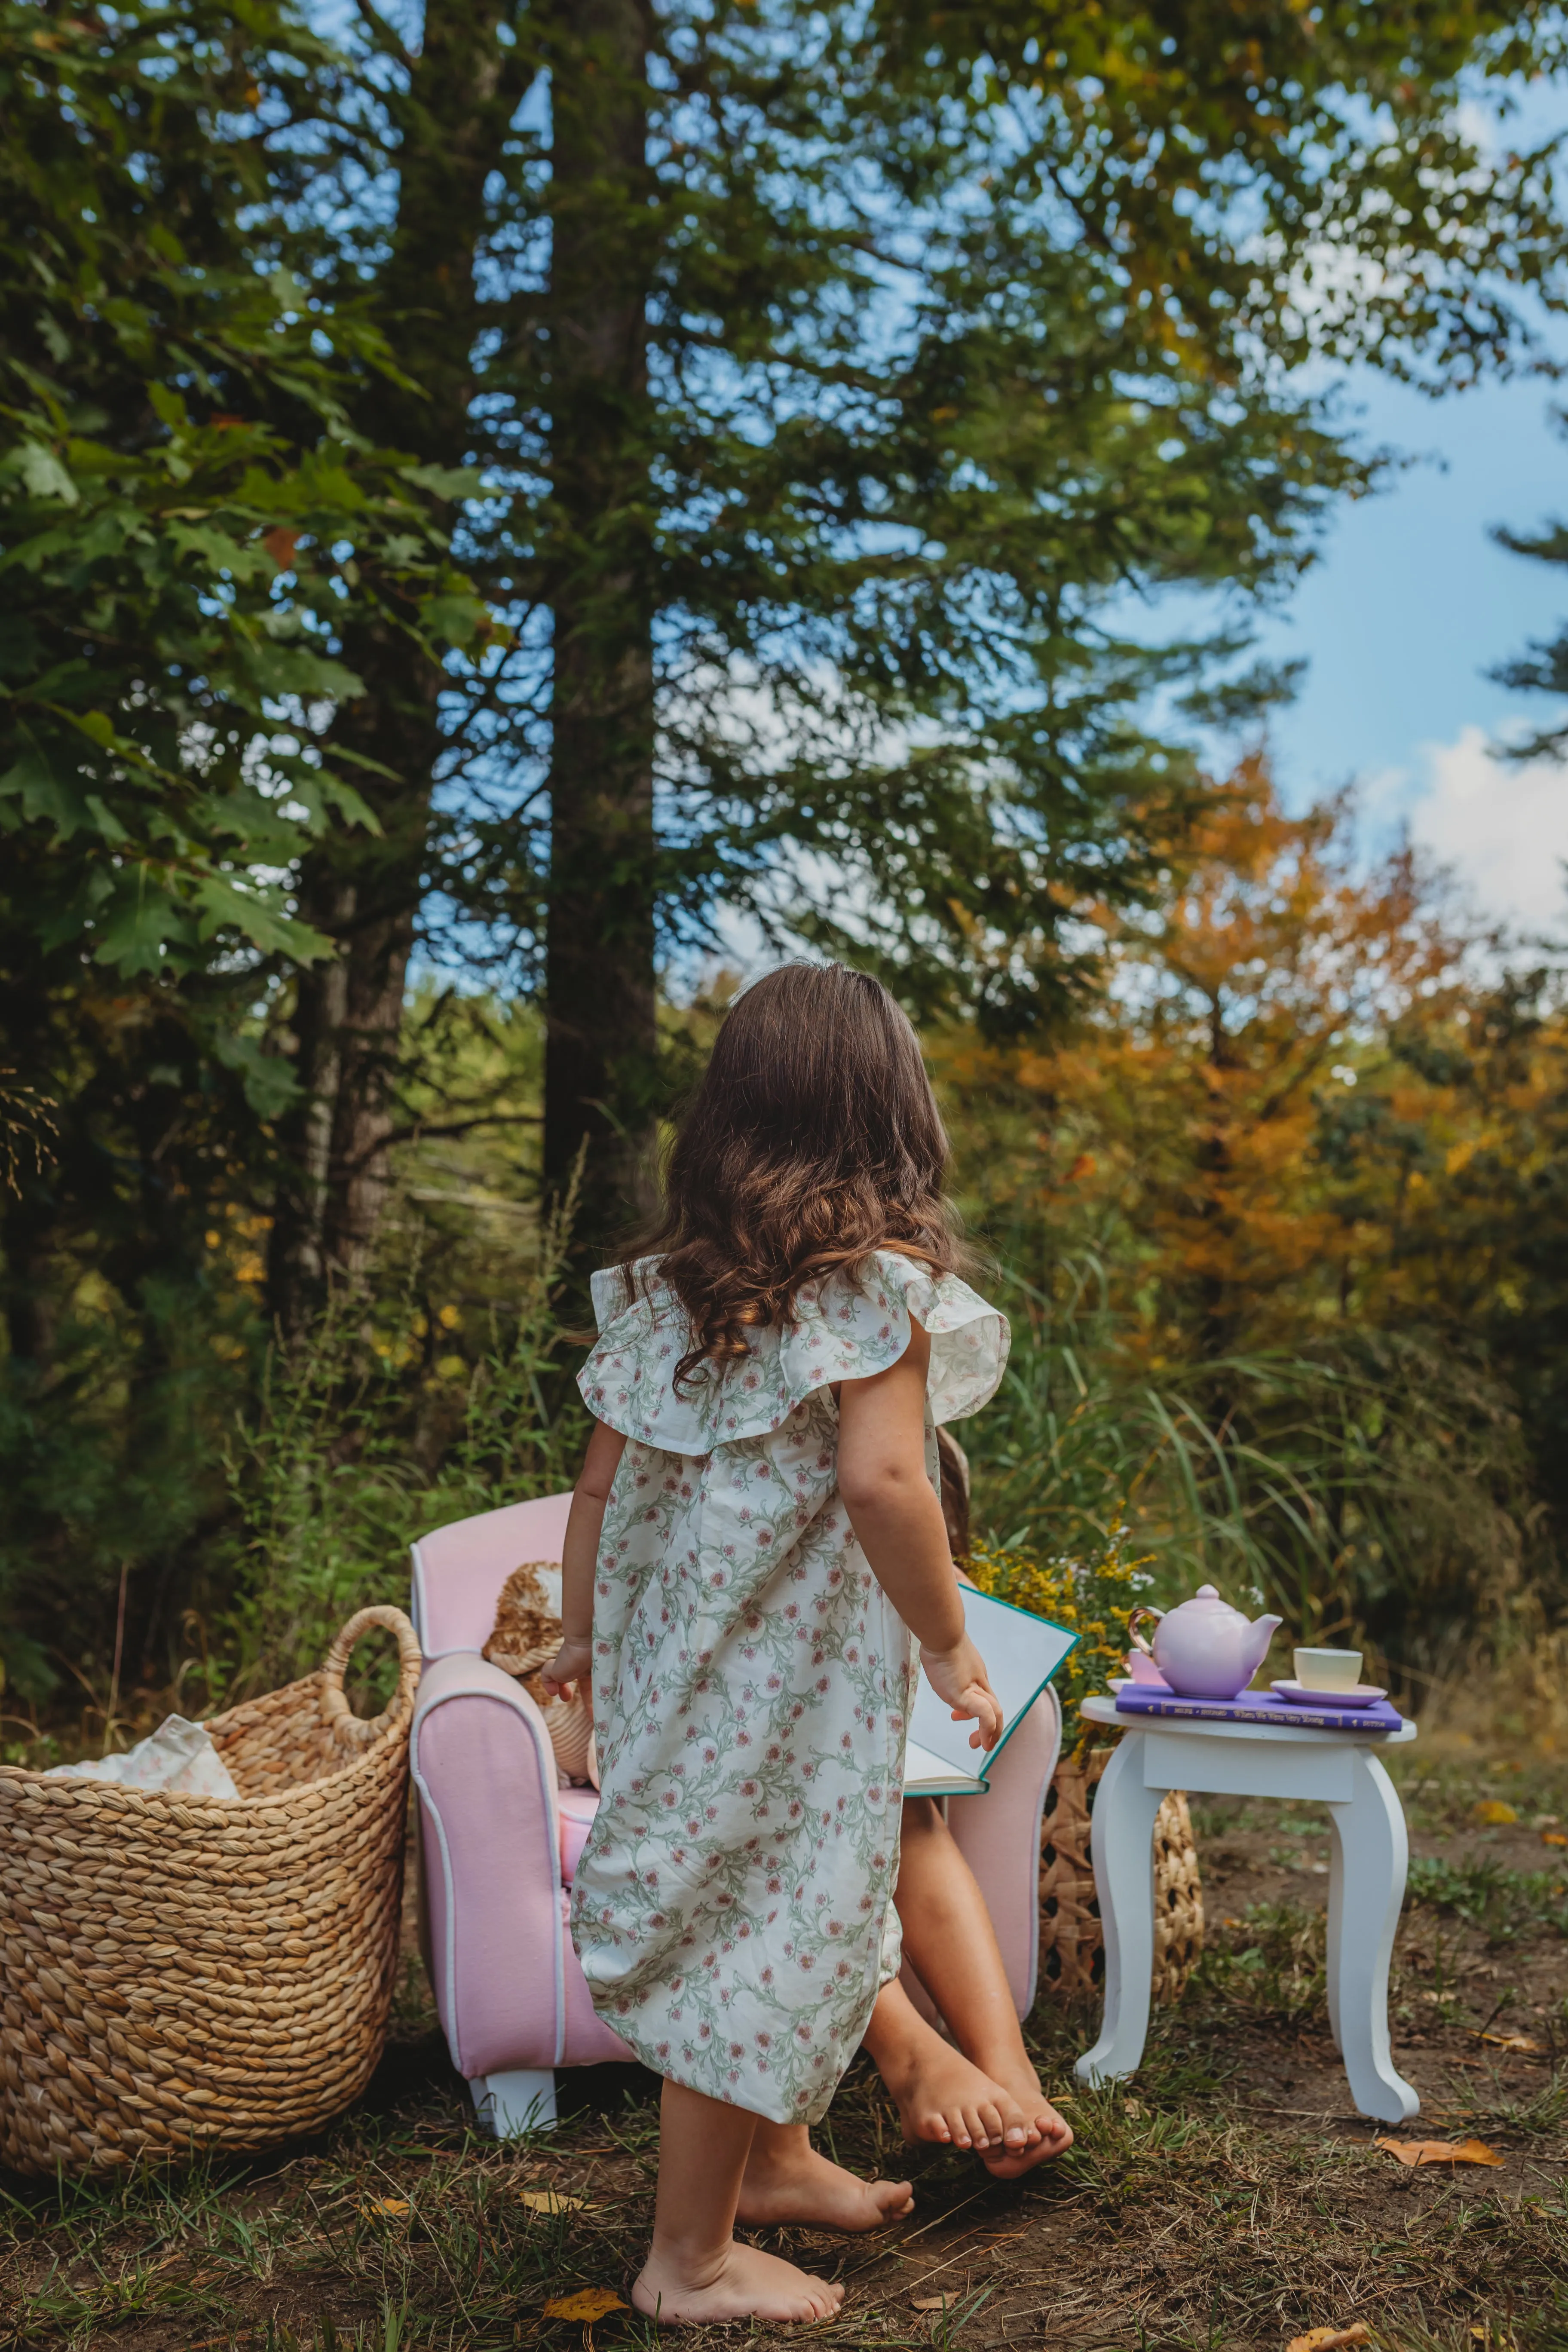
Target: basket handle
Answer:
[[336, 1712]]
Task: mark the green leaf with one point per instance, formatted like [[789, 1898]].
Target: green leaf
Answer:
[[45, 475], [270, 1083], [108, 825], [450, 482], [454, 620], [259, 917], [142, 919]]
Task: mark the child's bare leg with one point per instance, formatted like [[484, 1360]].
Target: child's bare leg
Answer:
[[938, 2094], [786, 2179], [695, 2269], [953, 1948]]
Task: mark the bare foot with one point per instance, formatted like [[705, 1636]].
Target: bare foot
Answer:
[[1045, 2133], [744, 2284], [789, 2181], [941, 2096]]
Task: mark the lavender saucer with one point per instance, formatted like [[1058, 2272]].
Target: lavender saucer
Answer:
[[1364, 1694]]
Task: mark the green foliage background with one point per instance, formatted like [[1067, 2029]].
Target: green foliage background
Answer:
[[955, 325]]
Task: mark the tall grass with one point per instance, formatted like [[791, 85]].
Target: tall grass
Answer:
[[1373, 1486], [1373, 1489], [360, 1444]]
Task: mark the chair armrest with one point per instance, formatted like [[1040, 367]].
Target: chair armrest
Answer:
[[485, 1773], [999, 1837]]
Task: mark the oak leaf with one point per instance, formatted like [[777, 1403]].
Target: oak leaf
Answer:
[[589, 2303], [551, 2201], [1442, 2151], [1494, 1812], [1330, 2339]]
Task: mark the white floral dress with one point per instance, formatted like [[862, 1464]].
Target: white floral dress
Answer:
[[733, 1908]]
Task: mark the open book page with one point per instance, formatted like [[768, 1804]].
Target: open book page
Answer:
[[926, 1775], [1021, 1652]]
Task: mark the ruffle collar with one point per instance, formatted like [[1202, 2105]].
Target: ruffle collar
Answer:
[[843, 1331]]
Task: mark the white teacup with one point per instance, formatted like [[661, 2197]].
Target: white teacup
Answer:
[[1328, 1670]]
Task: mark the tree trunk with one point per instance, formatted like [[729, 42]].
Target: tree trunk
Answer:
[[363, 891], [600, 1060]]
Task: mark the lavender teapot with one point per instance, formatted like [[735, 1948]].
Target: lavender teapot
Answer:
[[1205, 1649]]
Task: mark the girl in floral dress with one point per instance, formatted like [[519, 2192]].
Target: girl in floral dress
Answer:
[[755, 1550]]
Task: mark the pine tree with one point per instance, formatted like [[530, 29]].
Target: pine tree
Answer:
[[841, 377], [186, 519]]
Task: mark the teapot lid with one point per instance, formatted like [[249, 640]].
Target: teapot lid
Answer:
[[1209, 1595]]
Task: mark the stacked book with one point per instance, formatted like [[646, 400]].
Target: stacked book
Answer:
[[1257, 1706]]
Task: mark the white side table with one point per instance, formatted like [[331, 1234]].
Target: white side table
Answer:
[[1366, 1882]]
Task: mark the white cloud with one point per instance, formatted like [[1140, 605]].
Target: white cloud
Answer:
[[1504, 830]]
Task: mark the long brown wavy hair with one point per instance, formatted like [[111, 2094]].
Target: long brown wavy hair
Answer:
[[813, 1139]]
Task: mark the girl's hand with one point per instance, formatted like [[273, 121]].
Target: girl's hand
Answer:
[[573, 1663], [959, 1677]]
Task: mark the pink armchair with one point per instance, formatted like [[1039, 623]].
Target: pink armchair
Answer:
[[499, 1839]]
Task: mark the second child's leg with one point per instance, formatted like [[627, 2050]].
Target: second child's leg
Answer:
[[787, 2180], [951, 1946], [696, 2271]]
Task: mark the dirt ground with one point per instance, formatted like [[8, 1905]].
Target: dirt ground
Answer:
[[1228, 2196]]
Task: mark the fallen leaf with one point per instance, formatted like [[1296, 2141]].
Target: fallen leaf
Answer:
[[551, 2201], [1492, 1810], [930, 2302], [1553, 1837], [385, 2205], [1329, 2339], [590, 2303], [1511, 2041], [1442, 2151]]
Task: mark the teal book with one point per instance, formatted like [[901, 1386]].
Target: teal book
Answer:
[[1021, 1652]]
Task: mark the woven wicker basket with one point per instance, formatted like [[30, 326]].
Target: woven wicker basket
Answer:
[[183, 1973], [1072, 1947]]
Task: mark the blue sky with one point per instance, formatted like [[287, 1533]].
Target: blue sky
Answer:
[[1412, 601], [1409, 606]]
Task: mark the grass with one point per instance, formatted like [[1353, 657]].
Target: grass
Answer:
[[1505, 1905], [1192, 2211], [1228, 2197]]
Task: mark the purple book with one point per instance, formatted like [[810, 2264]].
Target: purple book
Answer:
[[1259, 1707]]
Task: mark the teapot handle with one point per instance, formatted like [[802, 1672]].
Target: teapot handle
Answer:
[[1136, 1638]]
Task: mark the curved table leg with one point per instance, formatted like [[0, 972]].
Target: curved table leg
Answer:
[[1123, 1847], [1366, 1888]]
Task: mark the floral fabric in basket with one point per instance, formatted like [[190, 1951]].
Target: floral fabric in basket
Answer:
[[178, 1758]]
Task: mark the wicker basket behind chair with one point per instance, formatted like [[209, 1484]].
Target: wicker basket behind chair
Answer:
[[180, 1973], [1072, 1941]]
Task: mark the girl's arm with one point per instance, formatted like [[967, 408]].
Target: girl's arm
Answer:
[[573, 1662], [897, 1518]]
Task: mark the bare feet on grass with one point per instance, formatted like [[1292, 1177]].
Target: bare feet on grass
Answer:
[[742, 2283], [941, 2096], [786, 2181], [1045, 2133]]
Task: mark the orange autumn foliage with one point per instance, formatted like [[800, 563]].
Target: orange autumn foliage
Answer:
[[1178, 1129]]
